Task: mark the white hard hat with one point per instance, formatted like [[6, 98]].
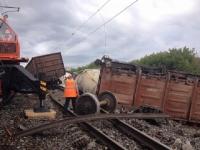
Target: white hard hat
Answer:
[[67, 75]]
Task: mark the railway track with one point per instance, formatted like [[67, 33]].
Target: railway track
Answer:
[[126, 129], [139, 136], [92, 130]]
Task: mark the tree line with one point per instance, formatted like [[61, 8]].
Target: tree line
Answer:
[[180, 59]]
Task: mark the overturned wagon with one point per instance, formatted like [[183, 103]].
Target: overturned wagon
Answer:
[[175, 93], [48, 67]]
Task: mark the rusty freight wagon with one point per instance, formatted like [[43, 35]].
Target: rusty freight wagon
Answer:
[[175, 93], [48, 67]]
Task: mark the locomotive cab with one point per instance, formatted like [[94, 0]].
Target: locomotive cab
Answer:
[[14, 77], [9, 46]]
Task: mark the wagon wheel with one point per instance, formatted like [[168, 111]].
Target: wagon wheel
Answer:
[[86, 104], [107, 101]]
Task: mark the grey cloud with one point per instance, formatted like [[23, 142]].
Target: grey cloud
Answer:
[[49, 25]]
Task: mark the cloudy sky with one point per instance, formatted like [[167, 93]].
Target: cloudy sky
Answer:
[[47, 26]]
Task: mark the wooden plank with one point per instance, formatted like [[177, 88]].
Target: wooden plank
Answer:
[[180, 87], [30, 114]]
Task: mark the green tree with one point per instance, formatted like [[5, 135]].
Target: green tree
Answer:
[[181, 59]]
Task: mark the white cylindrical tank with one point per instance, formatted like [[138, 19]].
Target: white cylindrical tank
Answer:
[[87, 80]]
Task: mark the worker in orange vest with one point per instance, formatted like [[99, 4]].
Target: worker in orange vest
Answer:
[[70, 92]]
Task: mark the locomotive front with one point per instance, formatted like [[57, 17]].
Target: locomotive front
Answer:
[[9, 46]]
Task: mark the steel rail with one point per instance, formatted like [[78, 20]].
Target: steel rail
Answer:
[[131, 131], [139, 136], [93, 131], [83, 119], [134, 133], [79, 119], [99, 135]]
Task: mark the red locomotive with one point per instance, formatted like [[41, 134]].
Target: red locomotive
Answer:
[[14, 77], [9, 45]]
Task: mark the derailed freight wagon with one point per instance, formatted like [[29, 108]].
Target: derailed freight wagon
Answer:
[[48, 68], [175, 93]]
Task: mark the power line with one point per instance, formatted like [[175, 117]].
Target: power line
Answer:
[[5, 8], [90, 17], [10, 9], [108, 21]]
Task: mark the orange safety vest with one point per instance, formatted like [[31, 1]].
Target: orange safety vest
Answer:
[[70, 88]]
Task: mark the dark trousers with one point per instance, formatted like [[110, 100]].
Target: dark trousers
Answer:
[[67, 101]]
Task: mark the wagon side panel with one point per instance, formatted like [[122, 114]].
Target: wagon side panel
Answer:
[[150, 92], [195, 107], [122, 85], [47, 67], [178, 100]]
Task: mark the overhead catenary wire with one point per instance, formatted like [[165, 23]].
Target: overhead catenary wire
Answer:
[[102, 25], [90, 17], [112, 18], [7, 9], [3, 6]]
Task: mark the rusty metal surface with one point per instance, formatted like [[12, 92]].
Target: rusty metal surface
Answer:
[[178, 100], [121, 84], [175, 93], [150, 92], [195, 105], [47, 66], [139, 136], [86, 118], [112, 144], [132, 132]]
